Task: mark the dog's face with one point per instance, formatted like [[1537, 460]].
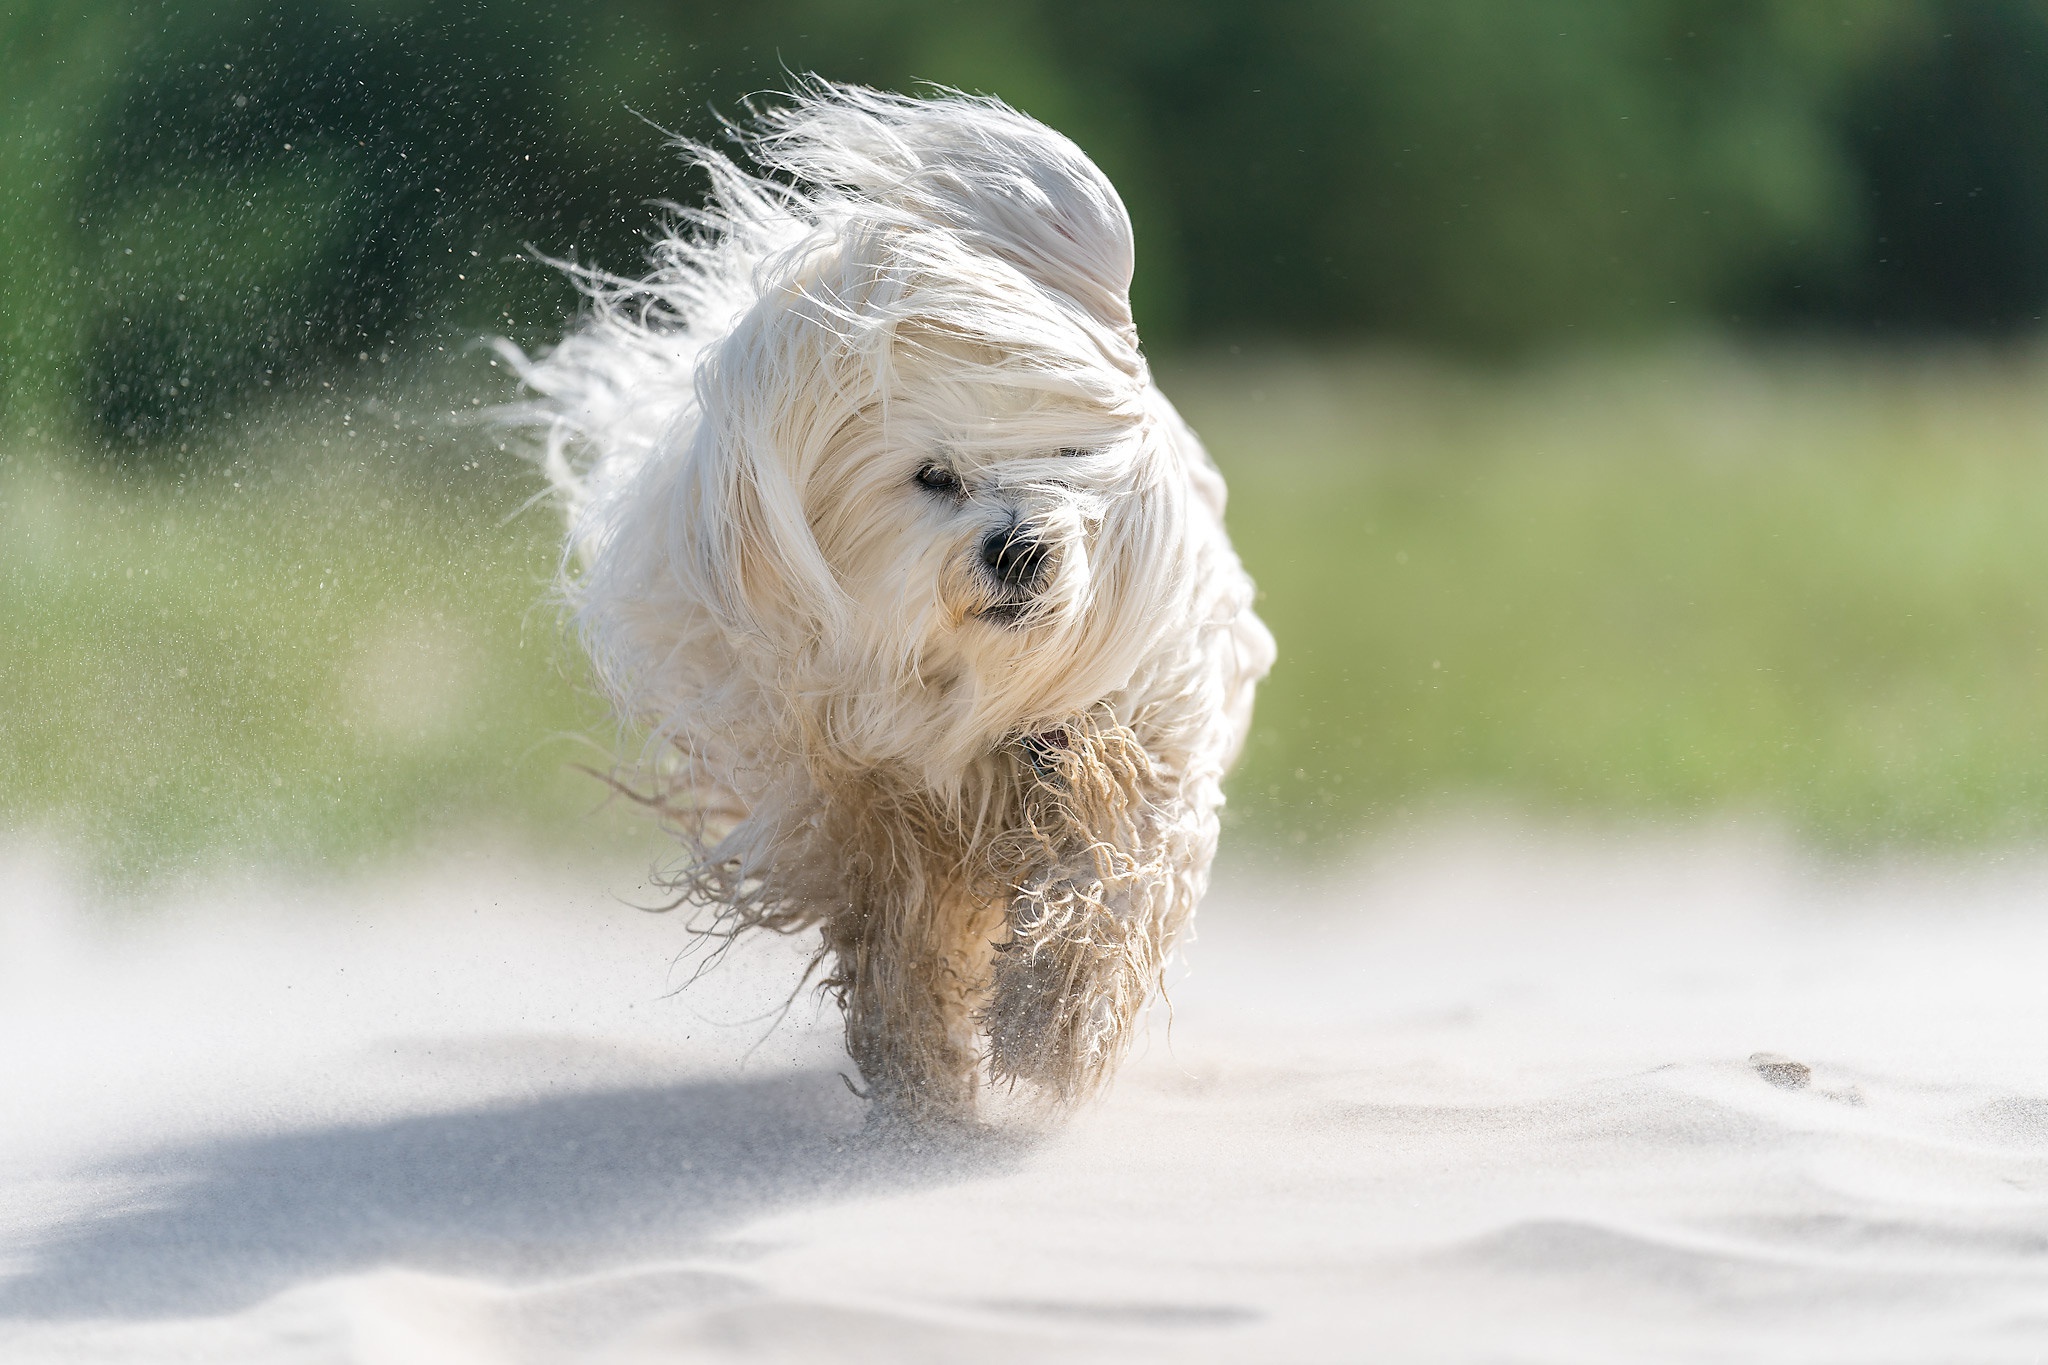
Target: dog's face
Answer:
[[1013, 552], [953, 538]]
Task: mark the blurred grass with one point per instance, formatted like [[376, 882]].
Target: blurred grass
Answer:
[[1810, 587], [1804, 586], [330, 647]]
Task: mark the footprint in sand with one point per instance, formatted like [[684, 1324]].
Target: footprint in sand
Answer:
[[1786, 1074], [1781, 1070]]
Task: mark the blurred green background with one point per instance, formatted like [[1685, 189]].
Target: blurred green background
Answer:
[[1634, 408]]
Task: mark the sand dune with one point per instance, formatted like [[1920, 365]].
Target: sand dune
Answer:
[[1489, 1097]]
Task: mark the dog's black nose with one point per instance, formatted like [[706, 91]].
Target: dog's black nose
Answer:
[[1015, 556]]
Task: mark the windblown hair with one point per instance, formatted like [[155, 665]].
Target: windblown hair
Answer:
[[917, 586]]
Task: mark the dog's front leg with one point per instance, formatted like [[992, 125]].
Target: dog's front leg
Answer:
[[1103, 887], [1069, 984], [909, 973]]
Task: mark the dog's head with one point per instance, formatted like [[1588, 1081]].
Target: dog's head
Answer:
[[869, 472], [925, 487]]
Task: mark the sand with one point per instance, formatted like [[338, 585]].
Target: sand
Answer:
[[1489, 1095]]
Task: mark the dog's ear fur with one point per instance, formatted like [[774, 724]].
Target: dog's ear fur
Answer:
[[1005, 183], [763, 431]]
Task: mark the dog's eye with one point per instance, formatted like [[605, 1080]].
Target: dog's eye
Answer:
[[938, 478]]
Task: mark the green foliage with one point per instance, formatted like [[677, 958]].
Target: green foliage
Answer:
[[1457, 172], [58, 66], [199, 294], [1951, 133], [1485, 174]]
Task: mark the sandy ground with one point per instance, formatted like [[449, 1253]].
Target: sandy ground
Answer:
[[1489, 1097]]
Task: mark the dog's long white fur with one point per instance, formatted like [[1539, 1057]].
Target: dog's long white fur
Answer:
[[1001, 812]]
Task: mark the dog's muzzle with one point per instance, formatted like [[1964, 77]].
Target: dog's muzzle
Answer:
[[1016, 557], [1019, 562]]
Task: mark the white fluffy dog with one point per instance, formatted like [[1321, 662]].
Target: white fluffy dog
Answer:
[[919, 587]]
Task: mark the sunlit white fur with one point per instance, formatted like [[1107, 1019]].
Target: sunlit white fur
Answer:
[[1001, 813]]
